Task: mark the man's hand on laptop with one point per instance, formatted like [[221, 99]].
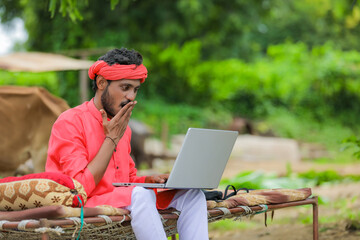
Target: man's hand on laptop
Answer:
[[162, 178]]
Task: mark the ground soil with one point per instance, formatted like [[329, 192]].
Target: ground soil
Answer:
[[289, 232], [285, 224]]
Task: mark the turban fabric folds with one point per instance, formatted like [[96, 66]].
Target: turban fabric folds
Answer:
[[117, 71]]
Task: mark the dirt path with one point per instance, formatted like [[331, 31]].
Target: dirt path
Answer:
[[335, 231]]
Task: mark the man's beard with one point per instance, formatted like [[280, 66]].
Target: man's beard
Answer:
[[107, 102]]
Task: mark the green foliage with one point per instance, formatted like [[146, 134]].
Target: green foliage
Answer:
[[321, 177], [261, 180], [47, 80], [69, 87], [305, 127], [251, 58], [352, 142], [291, 76], [235, 29], [346, 208], [230, 224], [178, 118], [67, 7]]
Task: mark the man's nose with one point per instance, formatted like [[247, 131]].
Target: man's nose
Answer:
[[131, 96]]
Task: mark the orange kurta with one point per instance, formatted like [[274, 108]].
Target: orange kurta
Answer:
[[75, 139]]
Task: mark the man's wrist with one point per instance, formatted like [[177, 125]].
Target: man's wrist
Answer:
[[113, 141]]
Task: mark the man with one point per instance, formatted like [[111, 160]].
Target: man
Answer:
[[91, 143]]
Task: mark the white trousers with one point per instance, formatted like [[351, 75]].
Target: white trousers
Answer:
[[146, 222]]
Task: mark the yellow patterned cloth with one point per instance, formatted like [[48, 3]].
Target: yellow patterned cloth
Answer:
[[33, 193]]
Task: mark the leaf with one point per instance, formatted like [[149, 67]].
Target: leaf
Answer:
[[52, 7], [63, 7], [114, 3], [357, 154]]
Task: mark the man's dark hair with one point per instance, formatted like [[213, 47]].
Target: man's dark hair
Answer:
[[121, 56]]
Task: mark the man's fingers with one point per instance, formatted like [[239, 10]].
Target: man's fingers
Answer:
[[103, 115], [104, 119], [119, 122], [129, 111], [126, 116], [162, 178], [123, 110]]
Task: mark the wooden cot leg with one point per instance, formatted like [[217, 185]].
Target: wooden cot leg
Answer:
[[173, 237], [315, 219]]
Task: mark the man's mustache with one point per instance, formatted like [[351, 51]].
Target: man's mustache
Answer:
[[124, 103]]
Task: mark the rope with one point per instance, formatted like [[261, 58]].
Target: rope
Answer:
[[177, 213], [58, 230], [225, 211], [162, 219], [247, 209], [264, 208], [22, 224], [76, 220], [106, 218], [123, 219], [82, 217], [2, 223]]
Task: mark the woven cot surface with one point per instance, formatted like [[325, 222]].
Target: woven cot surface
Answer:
[[234, 207], [118, 227], [113, 230]]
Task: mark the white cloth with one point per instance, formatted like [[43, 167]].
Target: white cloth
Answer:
[[146, 222]]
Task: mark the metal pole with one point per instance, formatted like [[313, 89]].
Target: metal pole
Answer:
[[84, 83], [315, 219]]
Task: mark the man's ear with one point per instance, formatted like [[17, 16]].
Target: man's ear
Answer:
[[101, 82]]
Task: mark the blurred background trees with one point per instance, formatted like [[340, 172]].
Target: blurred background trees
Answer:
[[209, 60]]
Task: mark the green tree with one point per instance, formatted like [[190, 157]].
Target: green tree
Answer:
[[227, 29], [209, 52]]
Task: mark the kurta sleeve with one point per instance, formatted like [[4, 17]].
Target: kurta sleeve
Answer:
[[67, 152]]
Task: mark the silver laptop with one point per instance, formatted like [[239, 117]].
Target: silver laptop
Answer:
[[200, 162]]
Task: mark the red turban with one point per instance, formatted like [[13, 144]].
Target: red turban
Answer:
[[117, 71]]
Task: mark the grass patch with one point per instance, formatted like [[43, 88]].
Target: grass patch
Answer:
[[341, 209], [228, 224], [262, 180], [303, 127], [47, 80]]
